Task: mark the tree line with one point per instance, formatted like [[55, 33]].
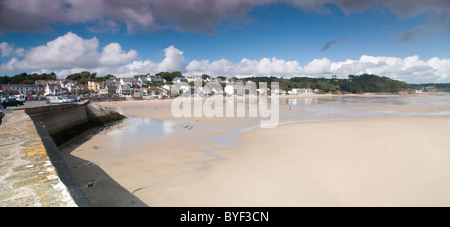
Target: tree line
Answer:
[[25, 78], [431, 87], [366, 83], [84, 77]]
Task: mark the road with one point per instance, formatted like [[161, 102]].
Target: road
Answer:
[[10, 109]]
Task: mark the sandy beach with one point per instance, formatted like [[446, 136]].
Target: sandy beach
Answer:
[[356, 161]]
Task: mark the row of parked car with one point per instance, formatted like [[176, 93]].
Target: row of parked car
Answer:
[[60, 99], [19, 100], [11, 101]]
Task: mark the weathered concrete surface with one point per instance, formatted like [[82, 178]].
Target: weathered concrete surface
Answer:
[[27, 176], [58, 118], [66, 121]]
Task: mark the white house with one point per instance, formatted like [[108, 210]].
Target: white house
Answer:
[[143, 80], [190, 79], [156, 91], [126, 81], [234, 90], [153, 78], [23, 88], [136, 83], [53, 89], [112, 86], [301, 91], [125, 90], [179, 80]]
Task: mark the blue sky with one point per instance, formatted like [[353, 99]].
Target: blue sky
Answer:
[[281, 38]]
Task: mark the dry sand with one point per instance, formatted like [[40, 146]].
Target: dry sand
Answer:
[[403, 161]]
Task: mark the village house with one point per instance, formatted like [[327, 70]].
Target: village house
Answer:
[[179, 89], [126, 81], [206, 90], [143, 80], [125, 90], [301, 91], [71, 88], [53, 89], [96, 86], [111, 87], [193, 79], [67, 83], [136, 83], [157, 91], [241, 89], [41, 83], [218, 80], [22, 88], [154, 79], [179, 80], [235, 90]]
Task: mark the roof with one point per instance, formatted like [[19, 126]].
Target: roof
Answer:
[[54, 86], [127, 80]]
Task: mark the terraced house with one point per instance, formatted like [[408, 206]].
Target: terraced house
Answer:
[[22, 88]]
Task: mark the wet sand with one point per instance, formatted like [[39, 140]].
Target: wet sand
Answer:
[[370, 162], [390, 161]]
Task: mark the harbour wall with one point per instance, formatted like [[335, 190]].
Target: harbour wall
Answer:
[[33, 170], [61, 121]]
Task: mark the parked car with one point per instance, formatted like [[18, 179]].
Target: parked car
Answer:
[[67, 100], [54, 100], [32, 98], [145, 96], [78, 99], [20, 98], [13, 102]]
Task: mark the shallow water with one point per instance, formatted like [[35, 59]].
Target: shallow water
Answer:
[[218, 136], [347, 107]]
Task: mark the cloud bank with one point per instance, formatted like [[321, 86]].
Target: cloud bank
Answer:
[[8, 50], [70, 53], [182, 15]]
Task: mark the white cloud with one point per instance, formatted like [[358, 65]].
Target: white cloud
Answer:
[[67, 51], [219, 67], [9, 66], [442, 67], [113, 55], [247, 67], [317, 67], [267, 67], [410, 69], [137, 68], [174, 60], [8, 50], [70, 53]]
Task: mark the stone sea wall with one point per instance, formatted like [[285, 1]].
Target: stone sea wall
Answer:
[[27, 174], [32, 171]]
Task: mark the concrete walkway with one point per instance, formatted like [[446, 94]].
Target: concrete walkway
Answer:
[[27, 176]]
